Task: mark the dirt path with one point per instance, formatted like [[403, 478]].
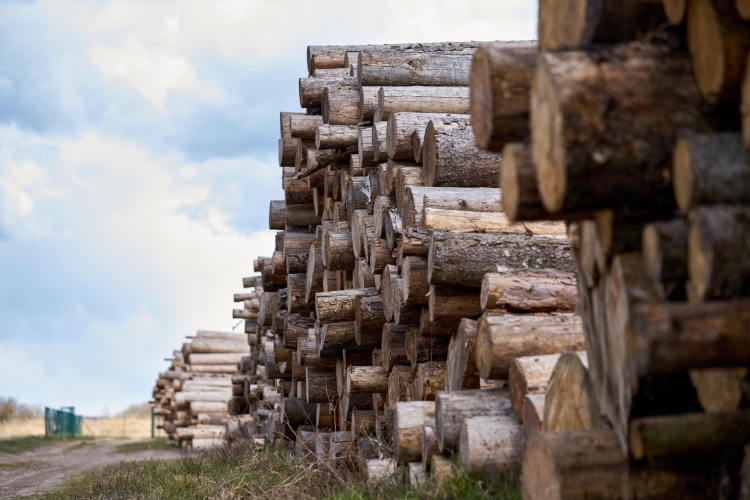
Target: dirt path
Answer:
[[34, 471]]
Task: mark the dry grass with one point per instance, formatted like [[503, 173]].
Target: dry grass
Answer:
[[126, 427], [20, 427]]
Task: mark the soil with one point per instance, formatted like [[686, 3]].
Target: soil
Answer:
[[33, 472]]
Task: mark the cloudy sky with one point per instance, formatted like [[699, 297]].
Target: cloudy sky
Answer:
[[137, 160]]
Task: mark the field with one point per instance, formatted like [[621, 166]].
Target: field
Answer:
[[128, 426]]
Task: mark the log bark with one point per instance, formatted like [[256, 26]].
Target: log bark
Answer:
[[448, 304], [296, 327], [429, 380], [464, 221], [369, 319], [530, 290], [393, 342], [366, 379], [297, 411], [408, 420], [570, 403], [365, 278], [332, 307], [303, 126], [296, 191], [338, 253], [415, 99], [311, 90], [365, 148], [338, 336], [461, 367], [321, 385], [532, 414], [296, 302], [368, 104], [400, 126], [336, 136], [719, 41], [314, 276], [452, 409], [268, 302], [399, 384], [693, 432], [500, 84], [530, 375], [587, 126], [287, 150], [596, 21], [340, 106], [665, 247], [277, 215], [296, 263], [407, 177], [296, 242], [501, 339], [415, 284], [717, 250], [710, 169], [379, 143], [380, 255], [382, 205], [399, 68], [490, 445], [463, 258]]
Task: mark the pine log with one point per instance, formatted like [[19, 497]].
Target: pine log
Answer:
[[461, 367], [382, 205], [321, 385], [665, 247], [674, 337], [416, 472], [404, 314], [416, 99], [365, 148], [218, 345], [338, 336], [414, 242], [448, 304], [332, 307], [408, 421], [453, 408], [296, 302], [570, 403], [598, 21], [401, 126], [463, 258], [362, 226], [693, 432], [311, 90], [296, 191], [532, 414], [437, 219], [429, 380], [530, 375], [415, 284], [314, 275], [629, 142], [719, 389], [490, 445], [417, 144], [430, 446], [369, 319], [717, 246], [393, 342], [296, 412], [710, 169], [500, 83], [401, 68], [448, 198], [277, 215], [719, 41], [380, 255], [303, 126], [296, 242], [399, 384], [340, 106], [365, 278], [366, 379], [338, 254], [501, 339], [379, 143], [268, 303], [287, 152], [368, 104], [296, 327], [296, 263], [363, 422], [336, 136], [530, 290]]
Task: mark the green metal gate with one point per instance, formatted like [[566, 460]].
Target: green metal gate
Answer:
[[62, 422]]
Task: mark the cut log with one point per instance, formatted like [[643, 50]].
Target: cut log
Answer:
[[399, 384], [416, 99], [530, 290], [453, 408], [287, 152], [340, 106], [332, 307], [665, 251], [599, 21], [448, 198], [501, 339], [429, 380], [338, 252], [393, 344], [321, 385], [296, 412], [296, 263], [415, 284], [532, 414], [719, 389], [366, 379], [268, 303], [365, 148], [463, 258], [296, 302], [719, 41], [500, 83], [303, 126], [464, 221], [380, 255], [296, 191], [401, 126], [626, 141], [217, 358], [461, 367], [675, 10], [693, 432], [296, 327], [277, 215], [530, 375], [408, 421], [368, 104], [490, 445], [570, 403], [379, 145], [314, 276], [717, 247], [311, 90], [369, 319], [710, 169], [336, 136], [448, 304], [429, 443], [401, 68]]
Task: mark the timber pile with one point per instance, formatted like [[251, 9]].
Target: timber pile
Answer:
[[195, 396], [400, 295], [637, 137]]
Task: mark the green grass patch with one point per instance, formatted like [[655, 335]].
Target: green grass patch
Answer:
[[154, 444], [241, 472], [28, 443]]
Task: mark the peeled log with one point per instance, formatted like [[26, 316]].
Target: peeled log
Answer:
[[530, 290], [570, 403], [718, 252], [464, 221], [421, 100], [719, 41], [501, 339], [490, 445], [463, 258], [453, 408], [595, 145], [408, 420], [217, 358], [710, 169], [218, 345], [396, 68]]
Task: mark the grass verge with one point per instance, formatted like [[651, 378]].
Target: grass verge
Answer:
[[154, 444], [241, 472], [28, 443]]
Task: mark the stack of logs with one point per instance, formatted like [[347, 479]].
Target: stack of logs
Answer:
[[192, 395], [404, 317]]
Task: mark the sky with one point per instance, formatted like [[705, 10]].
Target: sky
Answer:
[[137, 161]]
